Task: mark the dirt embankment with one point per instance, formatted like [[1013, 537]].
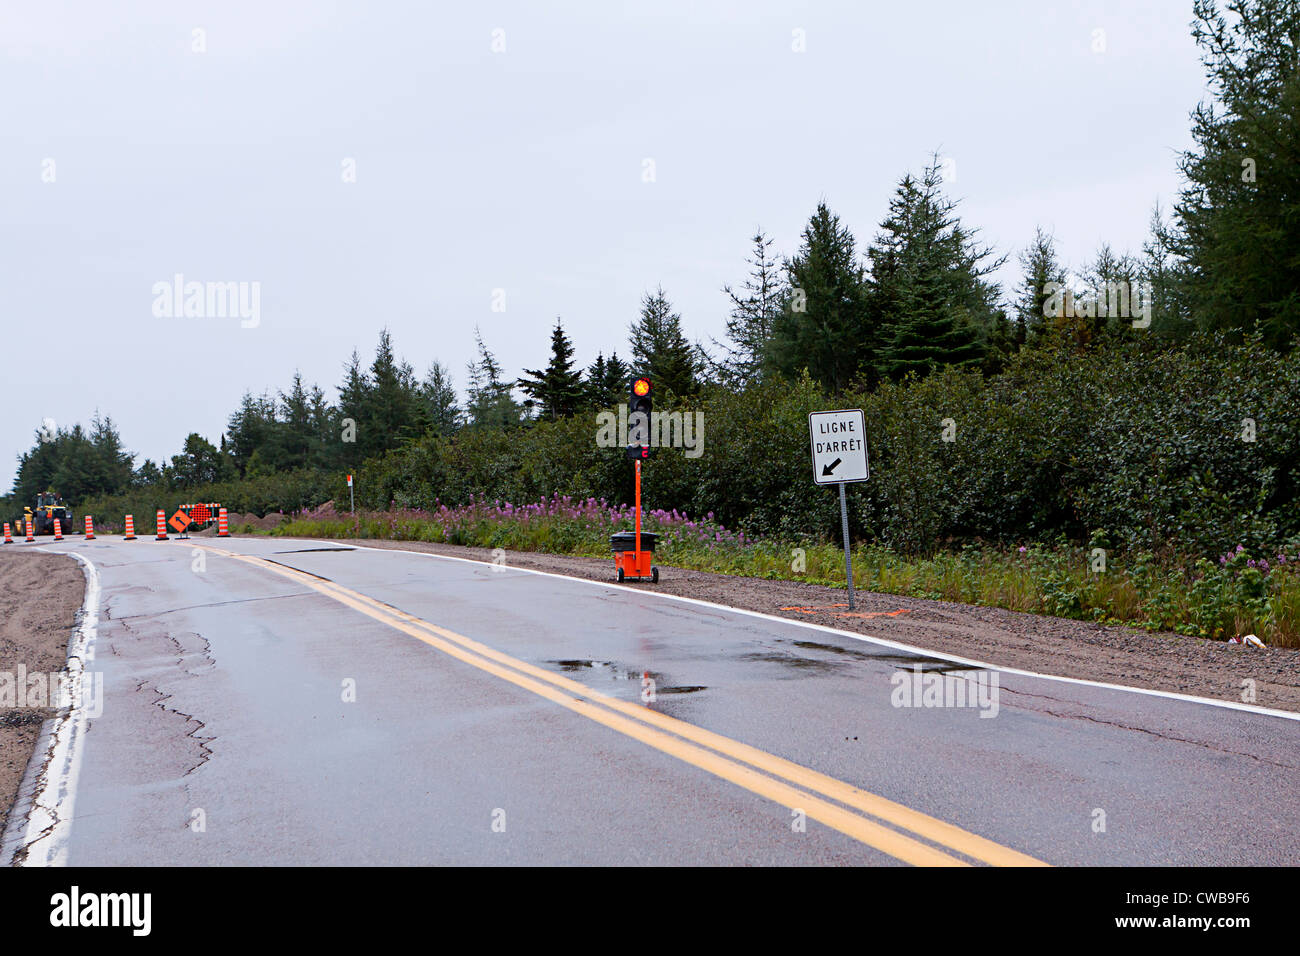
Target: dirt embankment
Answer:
[[39, 598], [1047, 645]]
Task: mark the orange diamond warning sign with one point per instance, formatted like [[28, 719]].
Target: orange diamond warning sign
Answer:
[[179, 521]]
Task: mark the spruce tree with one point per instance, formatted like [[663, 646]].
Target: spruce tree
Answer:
[[1040, 268], [558, 390], [74, 473], [251, 428], [298, 438], [606, 381], [324, 429], [440, 400], [354, 400], [490, 401], [1166, 275], [660, 349], [1235, 221], [394, 411], [618, 375], [112, 464], [36, 467], [928, 281], [1109, 282], [754, 312], [593, 384], [825, 324]]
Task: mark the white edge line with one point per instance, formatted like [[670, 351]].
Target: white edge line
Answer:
[[911, 649], [50, 805]]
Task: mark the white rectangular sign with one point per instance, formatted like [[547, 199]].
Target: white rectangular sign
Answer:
[[839, 446]]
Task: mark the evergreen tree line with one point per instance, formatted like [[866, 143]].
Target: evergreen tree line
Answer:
[[76, 462], [919, 298]]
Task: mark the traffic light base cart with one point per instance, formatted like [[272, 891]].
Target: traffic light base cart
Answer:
[[634, 550], [631, 562]]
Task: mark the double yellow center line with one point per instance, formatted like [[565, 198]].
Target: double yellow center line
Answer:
[[758, 771]]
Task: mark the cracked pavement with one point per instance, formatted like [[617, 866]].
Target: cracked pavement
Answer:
[[226, 703]]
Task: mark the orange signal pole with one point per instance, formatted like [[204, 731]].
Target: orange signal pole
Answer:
[[638, 516]]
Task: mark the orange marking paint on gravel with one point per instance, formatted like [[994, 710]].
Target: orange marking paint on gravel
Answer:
[[901, 610], [865, 614]]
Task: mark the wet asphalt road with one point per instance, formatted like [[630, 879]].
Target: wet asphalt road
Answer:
[[226, 735]]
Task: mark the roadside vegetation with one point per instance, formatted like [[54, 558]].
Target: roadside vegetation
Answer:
[[1236, 594]]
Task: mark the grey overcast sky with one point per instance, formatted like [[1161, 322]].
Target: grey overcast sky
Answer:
[[520, 170]]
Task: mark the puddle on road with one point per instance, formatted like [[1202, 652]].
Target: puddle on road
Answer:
[[927, 664], [797, 665], [612, 671], [311, 550], [793, 661], [847, 651]]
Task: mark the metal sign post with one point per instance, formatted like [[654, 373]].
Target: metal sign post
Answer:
[[838, 442], [352, 495], [848, 560]]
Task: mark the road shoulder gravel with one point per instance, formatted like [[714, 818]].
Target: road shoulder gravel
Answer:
[[40, 594]]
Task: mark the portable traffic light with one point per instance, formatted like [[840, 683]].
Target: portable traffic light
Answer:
[[636, 562], [640, 398], [639, 402]]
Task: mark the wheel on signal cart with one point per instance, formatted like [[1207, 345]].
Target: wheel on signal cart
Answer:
[[654, 575], [620, 575]]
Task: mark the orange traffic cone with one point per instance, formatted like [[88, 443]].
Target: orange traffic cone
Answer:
[[223, 529], [9, 538], [30, 536], [130, 528], [58, 530], [90, 529], [162, 528]]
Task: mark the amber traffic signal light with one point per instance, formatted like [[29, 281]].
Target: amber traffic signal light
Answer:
[[640, 399]]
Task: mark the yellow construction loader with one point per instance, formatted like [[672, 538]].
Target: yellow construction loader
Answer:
[[49, 506]]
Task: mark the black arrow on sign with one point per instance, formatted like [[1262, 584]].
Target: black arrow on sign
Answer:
[[827, 469]]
